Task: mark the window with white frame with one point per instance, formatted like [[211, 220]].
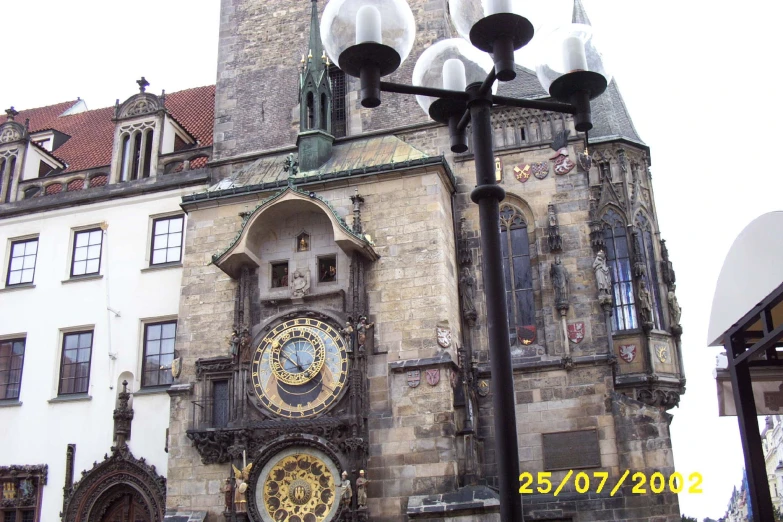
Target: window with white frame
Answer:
[[136, 151], [167, 240], [158, 353], [21, 263], [86, 258], [75, 362]]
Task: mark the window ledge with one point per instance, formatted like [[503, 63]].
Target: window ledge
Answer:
[[156, 390], [155, 268], [76, 279], [21, 286], [10, 403], [76, 397]]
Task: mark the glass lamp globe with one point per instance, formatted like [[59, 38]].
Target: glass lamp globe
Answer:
[[494, 26], [387, 23], [450, 64], [571, 63]]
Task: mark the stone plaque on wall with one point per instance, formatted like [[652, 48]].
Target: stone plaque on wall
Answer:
[[571, 450]]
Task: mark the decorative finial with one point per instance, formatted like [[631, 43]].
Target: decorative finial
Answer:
[[143, 84], [11, 113], [303, 61], [310, 55]]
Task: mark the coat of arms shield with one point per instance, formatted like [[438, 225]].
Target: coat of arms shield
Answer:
[[526, 334], [433, 376], [414, 378], [522, 172], [576, 332], [540, 169], [628, 352], [483, 387], [444, 336], [662, 351]]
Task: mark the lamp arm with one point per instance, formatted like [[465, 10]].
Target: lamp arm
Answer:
[[424, 91]]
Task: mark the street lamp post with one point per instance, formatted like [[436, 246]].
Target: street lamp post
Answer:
[[454, 84]]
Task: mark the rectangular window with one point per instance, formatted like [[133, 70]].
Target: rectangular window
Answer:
[[11, 361], [87, 252], [158, 353], [280, 274], [166, 240], [75, 365], [21, 265], [220, 404], [327, 269]]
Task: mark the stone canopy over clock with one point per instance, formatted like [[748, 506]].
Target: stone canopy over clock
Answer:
[[300, 368]]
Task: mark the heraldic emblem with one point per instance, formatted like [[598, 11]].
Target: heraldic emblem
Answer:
[[414, 378], [576, 332], [540, 169], [563, 163], [628, 352], [662, 351], [522, 172], [444, 335], [433, 376]]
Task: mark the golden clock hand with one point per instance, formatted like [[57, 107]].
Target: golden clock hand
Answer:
[[291, 360]]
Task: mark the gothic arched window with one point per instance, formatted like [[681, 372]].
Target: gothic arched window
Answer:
[[619, 260], [517, 272], [647, 252]]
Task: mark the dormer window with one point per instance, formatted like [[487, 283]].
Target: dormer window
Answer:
[[136, 149]]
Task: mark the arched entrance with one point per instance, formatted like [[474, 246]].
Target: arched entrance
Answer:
[[122, 504]]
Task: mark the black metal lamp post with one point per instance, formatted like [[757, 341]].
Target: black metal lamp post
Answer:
[[454, 84]]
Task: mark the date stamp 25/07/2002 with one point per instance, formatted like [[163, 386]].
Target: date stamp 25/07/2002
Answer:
[[584, 483]]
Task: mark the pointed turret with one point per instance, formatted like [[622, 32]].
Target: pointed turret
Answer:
[[315, 101], [580, 15]]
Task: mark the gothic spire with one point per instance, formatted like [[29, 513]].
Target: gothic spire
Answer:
[[580, 15], [315, 60]]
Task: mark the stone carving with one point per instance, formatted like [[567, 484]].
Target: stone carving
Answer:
[[357, 201], [628, 352], [563, 163], [11, 113], [414, 378], [659, 398], [522, 172], [560, 283], [123, 417], [218, 364], [443, 333], [602, 278], [240, 488], [225, 489], [245, 352], [667, 268], [433, 376], [576, 332], [176, 365], [300, 283], [361, 331], [540, 169], [361, 490], [662, 352], [10, 133], [585, 160], [467, 286], [554, 238], [645, 304], [483, 387], [498, 169], [674, 306], [291, 167], [70, 453], [346, 492]]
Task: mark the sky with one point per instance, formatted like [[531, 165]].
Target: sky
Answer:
[[683, 67]]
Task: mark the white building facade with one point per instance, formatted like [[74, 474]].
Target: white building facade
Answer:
[[89, 297]]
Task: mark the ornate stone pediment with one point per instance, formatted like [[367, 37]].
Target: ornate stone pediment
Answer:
[[11, 131], [138, 105]]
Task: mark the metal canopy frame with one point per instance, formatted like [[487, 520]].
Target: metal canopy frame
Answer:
[[746, 347]]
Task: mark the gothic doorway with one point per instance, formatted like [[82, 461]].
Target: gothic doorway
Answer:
[[125, 505]]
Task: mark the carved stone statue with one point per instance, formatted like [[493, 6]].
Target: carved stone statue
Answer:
[[346, 492], [560, 284], [554, 238], [227, 497], [244, 346], [234, 342], [645, 303], [602, 277], [361, 332], [675, 312], [361, 490], [240, 479], [347, 332], [300, 284], [467, 286]]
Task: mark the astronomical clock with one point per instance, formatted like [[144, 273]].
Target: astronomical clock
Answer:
[[285, 405]]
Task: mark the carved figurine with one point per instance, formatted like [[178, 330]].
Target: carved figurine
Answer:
[[240, 479], [361, 331], [244, 346], [645, 303], [227, 496], [234, 342], [303, 245], [560, 283], [361, 490], [346, 492], [467, 285], [300, 283], [675, 312], [602, 276], [554, 238]]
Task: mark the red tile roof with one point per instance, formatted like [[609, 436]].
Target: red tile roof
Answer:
[[92, 132]]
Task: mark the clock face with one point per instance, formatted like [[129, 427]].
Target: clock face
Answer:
[[300, 368]]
